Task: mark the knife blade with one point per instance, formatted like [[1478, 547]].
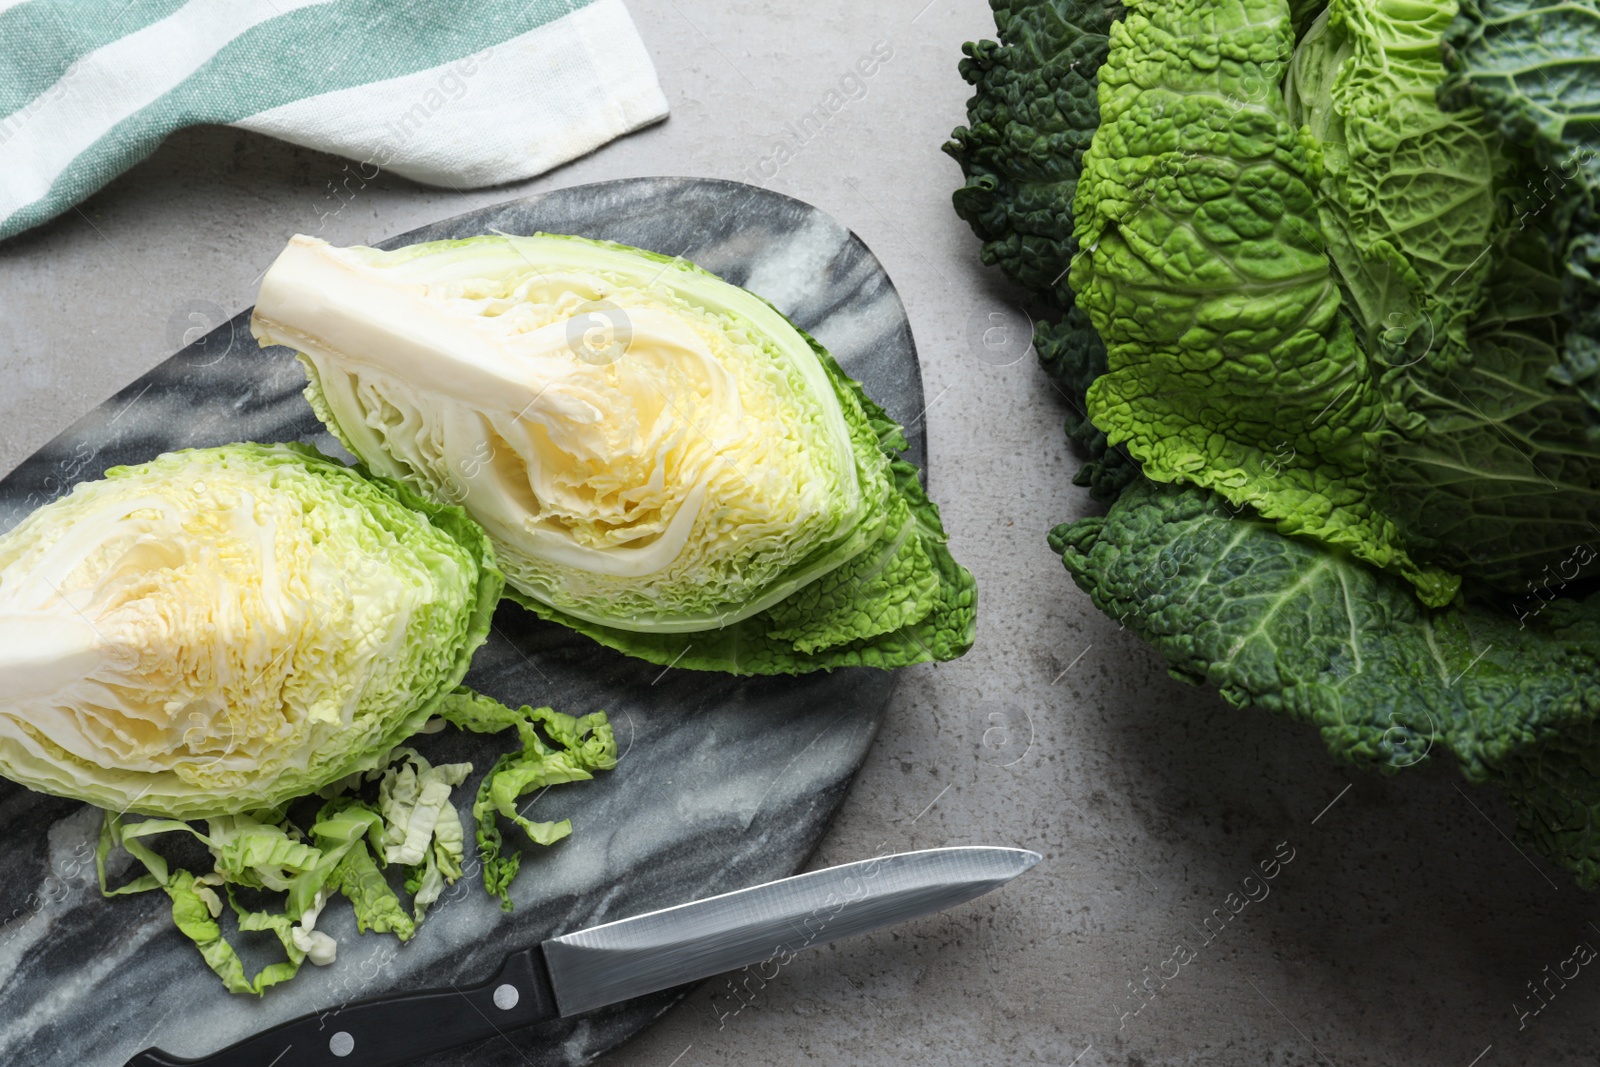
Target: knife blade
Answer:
[[763, 925]]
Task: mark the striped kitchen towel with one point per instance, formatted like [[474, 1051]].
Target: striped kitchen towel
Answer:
[[447, 92]]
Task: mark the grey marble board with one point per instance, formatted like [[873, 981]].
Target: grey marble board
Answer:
[[723, 782]]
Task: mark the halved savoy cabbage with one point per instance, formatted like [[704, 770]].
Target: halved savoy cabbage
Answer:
[[662, 460], [225, 629]]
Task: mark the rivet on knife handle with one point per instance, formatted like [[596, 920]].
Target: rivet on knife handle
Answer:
[[393, 1029]]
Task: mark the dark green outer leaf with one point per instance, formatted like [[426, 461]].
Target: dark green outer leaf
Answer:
[[1281, 624], [1031, 119]]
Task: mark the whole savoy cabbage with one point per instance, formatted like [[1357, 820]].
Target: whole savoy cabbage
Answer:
[[1328, 290]]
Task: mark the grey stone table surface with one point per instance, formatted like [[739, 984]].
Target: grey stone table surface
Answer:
[[1405, 923]]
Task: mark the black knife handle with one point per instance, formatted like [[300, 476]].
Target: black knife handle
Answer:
[[396, 1028]]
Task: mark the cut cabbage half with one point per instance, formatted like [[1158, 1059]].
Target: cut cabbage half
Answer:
[[661, 459], [225, 629]]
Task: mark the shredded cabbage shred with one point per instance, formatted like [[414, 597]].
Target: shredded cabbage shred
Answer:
[[408, 824]]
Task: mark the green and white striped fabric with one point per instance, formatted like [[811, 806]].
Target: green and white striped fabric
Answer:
[[447, 92]]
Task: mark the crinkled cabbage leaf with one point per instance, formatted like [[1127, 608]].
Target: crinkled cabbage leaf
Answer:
[[1206, 272], [1030, 120], [1278, 623]]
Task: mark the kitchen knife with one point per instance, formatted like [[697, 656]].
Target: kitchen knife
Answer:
[[764, 926]]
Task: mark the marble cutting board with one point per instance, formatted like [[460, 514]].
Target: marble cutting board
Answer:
[[723, 782]]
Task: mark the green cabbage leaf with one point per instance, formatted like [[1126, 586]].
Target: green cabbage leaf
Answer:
[[1276, 622], [1031, 119], [1206, 274], [1533, 70]]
